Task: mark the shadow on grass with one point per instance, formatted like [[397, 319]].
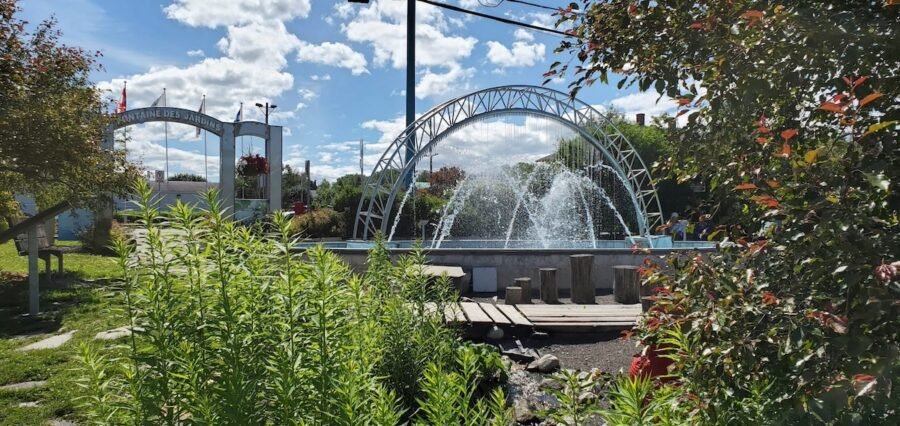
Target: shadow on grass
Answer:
[[58, 297]]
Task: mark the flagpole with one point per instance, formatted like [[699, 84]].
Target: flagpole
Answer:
[[166, 126], [205, 160]]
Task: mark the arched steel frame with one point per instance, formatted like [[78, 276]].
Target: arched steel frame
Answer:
[[377, 200]]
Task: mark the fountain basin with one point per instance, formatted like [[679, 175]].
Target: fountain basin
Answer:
[[524, 258]]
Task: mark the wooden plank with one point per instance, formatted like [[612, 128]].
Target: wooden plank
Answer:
[[494, 313], [474, 313], [569, 307], [537, 320], [634, 314], [568, 327], [514, 315], [453, 313]]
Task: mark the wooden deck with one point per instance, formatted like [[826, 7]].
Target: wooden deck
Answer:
[[561, 317]]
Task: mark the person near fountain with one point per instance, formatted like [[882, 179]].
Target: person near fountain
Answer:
[[701, 228]]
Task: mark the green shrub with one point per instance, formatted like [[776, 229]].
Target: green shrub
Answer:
[[319, 223], [234, 327]]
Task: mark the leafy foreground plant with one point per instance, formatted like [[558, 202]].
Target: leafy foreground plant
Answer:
[[790, 117], [235, 328]]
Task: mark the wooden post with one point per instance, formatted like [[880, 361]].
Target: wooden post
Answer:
[[582, 286], [549, 288], [33, 293], [513, 295], [626, 284], [525, 284]]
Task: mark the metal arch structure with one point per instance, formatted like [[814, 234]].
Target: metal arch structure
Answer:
[[382, 187]]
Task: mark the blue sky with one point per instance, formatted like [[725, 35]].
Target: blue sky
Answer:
[[335, 69]]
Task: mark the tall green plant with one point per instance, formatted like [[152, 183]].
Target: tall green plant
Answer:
[[234, 326]]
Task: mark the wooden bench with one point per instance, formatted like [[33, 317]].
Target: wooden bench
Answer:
[[45, 249]]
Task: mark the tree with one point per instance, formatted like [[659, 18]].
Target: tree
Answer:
[[294, 187], [790, 113], [444, 180], [187, 177], [52, 119]]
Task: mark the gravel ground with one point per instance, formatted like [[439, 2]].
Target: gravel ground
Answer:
[[584, 351]]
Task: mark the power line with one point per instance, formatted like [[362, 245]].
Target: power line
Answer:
[[555, 9], [494, 18]]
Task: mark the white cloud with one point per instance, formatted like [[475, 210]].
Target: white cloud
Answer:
[[196, 53], [644, 102], [382, 25], [521, 54], [454, 81], [323, 77], [215, 13], [333, 54], [264, 44], [307, 94], [523, 34]]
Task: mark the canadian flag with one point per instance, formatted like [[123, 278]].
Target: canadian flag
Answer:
[[123, 103]]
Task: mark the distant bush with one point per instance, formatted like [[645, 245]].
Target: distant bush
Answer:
[[320, 223], [187, 177]]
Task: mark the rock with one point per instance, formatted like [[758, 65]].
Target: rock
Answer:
[[23, 386], [551, 384], [50, 342], [539, 335], [545, 364], [466, 299], [495, 333], [60, 422], [527, 398], [523, 412], [29, 404], [114, 334]]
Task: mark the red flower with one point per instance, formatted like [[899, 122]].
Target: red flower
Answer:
[[885, 273], [769, 298]]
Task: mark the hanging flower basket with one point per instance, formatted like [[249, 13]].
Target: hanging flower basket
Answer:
[[252, 165]]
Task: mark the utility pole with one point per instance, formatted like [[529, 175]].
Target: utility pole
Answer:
[[362, 149]]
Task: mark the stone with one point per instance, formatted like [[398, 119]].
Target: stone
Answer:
[[50, 342], [60, 422], [29, 404], [551, 384], [495, 333], [114, 334], [523, 412], [545, 364], [23, 386]]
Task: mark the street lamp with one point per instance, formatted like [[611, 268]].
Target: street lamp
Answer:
[[431, 162], [266, 108]]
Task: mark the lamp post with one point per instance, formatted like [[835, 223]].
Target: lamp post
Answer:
[[410, 79], [431, 162], [266, 108]]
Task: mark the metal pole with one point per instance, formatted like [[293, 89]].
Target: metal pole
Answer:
[[33, 293], [410, 81], [166, 126], [362, 148]]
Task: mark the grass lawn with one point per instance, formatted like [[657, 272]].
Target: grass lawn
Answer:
[[84, 300]]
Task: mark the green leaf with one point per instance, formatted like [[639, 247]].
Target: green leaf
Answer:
[[879, 126], [878, 180]]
